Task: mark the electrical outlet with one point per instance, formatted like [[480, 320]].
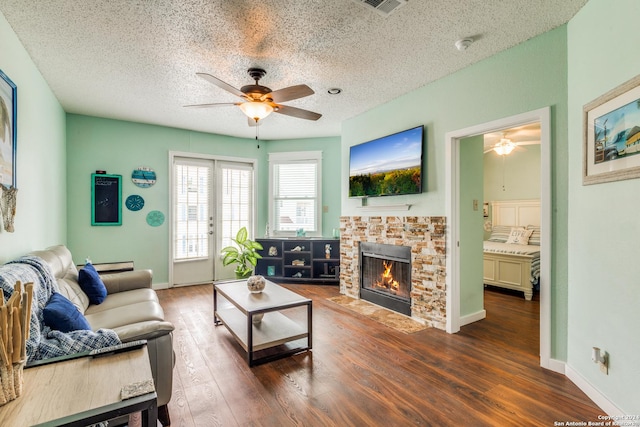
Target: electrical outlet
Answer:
[[475, 204]]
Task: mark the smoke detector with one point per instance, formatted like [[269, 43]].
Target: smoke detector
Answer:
[[463, 44], [383, 7]]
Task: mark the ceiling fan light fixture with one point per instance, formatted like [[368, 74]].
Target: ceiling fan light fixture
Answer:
[[256, 110], [504, 147]]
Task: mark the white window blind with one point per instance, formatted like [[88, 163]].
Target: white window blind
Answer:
[[236, 200], [295, 192], [193, 189]]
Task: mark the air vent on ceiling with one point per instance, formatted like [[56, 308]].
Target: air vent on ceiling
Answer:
[[383, 7]]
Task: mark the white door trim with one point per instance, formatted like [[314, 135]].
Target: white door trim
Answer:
[[452, 140]]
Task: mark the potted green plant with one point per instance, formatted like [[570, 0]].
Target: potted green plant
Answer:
[[245, 255]]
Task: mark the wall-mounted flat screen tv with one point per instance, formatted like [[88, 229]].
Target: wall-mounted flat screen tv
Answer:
[[387, 166]]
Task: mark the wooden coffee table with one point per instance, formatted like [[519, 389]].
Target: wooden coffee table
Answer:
[[274, 330], [82, 391]]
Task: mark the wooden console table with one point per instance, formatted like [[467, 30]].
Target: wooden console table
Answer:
[[82, 391]]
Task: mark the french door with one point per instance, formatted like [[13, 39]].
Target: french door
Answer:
[[193, 221], [212, 199]]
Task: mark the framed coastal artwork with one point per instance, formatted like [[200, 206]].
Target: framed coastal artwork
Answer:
[[8, 113], [612, 135]]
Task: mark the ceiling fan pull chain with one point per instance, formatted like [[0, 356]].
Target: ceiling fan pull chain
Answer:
[[504, 158], [257, 133]]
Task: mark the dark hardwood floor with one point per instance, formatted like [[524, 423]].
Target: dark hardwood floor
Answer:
[[361, 373]]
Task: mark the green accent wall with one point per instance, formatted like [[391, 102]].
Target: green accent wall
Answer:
[[471, 222], [40, 219], [526, 77], [118, 147], [604, 289], [512, 177]]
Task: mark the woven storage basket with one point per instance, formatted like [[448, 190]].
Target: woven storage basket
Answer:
[[11, 379]]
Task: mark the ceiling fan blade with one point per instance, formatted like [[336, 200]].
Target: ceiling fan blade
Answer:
[[528, 142], [215, 104], [297, 112], [290, 93], [226, 86]]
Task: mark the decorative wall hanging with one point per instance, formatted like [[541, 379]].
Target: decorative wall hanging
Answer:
[[8, 201], [8, 140], [134, 202], [143, 177], [612, 135], [155, 218], [106, 193]]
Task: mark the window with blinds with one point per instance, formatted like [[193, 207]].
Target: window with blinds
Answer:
[[236, 200], [193, 189], [295, 192]]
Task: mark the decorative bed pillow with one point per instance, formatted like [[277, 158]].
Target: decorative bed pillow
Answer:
[[500, 233], [92, 284], [61, 315], [535, 236], [519, 236]]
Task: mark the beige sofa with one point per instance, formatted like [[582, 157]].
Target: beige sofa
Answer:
[[131, 309]]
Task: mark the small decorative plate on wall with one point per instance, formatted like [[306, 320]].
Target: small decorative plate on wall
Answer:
[[143, 177], [155, 218], [134, 202]]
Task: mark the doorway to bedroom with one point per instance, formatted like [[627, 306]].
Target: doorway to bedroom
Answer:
[[461, 205]]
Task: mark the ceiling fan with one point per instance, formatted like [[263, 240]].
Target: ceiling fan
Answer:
[[505, 146], [260, 101]]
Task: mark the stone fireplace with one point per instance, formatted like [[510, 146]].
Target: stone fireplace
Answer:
[[424, 240]]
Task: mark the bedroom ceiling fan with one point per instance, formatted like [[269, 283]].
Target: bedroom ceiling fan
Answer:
[[259, 101], [504, 146]]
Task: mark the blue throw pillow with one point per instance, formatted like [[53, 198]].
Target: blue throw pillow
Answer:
[[92, 284], [60, 314]]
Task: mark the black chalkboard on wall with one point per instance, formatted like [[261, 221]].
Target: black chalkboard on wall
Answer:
[[106, 194]]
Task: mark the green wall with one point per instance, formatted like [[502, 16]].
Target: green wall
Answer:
[[529, 76], [40, 219], [471, 230], [118, 147], [512, 177], [604, 290]]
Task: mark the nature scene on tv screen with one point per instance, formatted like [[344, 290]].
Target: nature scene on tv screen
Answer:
[[387, 166]]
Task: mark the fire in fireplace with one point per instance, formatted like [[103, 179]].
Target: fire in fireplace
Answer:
[[385, 276]]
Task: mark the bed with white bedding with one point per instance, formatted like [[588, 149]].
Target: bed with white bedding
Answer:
[[512, 252]]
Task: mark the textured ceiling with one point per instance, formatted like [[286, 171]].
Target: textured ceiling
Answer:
[[136, 59]]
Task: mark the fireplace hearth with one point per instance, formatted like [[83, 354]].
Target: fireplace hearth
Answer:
[[385, 276]]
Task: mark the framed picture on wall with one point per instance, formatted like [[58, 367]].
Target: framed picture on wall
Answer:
[[612, 135], [106, 194], [8, 139]]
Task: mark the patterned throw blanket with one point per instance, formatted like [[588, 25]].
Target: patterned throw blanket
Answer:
[[44, 343]]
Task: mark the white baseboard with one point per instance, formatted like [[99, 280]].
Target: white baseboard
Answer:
[[593, 393], [554, 365], [157, 286], [473, 317]]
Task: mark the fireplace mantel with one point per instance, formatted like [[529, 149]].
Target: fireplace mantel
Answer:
[[404, 207]]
